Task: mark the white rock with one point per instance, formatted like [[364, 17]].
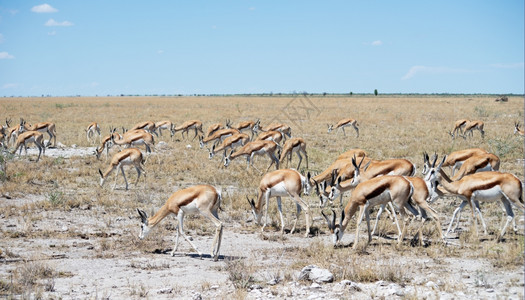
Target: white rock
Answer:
[[316, 274], [431, 284], [381, 283]]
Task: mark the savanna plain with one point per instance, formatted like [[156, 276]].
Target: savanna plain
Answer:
[[65, 237]]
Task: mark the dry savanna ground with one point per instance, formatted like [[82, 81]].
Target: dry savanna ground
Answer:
[[63, 236]]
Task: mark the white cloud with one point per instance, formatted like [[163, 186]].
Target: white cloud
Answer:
[[377, 43], [431, 70], [44, 8], [9, 85], [5, 55], [52, 22], [508, 66]]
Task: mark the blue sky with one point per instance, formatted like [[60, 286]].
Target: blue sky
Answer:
[[64, 48]]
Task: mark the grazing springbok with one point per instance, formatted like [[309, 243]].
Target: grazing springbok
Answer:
[[345, 123], [126, 157], [341, 161], [203, 199], [478, 163], [217, 136], [459, 126], [376, 191], [148, 126], [27, 137], [484, 186], [106, 144], [41, 127], [282, 183], [212, 128], [474, 125], [231, 142], [281, 127], [196, 125], [255, 148], [250, 126], [91, 130], [517, 129], [297, 145], [133, 138], [165, 125], [456, 159], [272, 135]]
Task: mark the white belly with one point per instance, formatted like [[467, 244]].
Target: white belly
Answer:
[[190, 208], [259, 152], [382, 198], [492, 194], [126, 162], [277, 190], [138, 142]]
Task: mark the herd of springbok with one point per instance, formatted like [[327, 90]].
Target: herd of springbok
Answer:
[[474, 175]]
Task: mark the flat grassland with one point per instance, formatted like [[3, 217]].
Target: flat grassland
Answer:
[[63, 236]]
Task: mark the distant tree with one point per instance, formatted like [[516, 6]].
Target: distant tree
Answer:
[[375, 92], [324, 94], [351, 93]]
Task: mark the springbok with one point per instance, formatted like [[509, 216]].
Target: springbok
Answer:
[[126, 157], [148, 126], [345, 123], [297, 145], [255, 148], [484, 186], [41, 127], [455, 159], [203, 199], [27, 137], [217, 136], [165, 125], [282, 183], [474, 125], [459, 126], [272, 135], [212, 128], [196, 125], [91, 130], [376, 191], [231, 142]]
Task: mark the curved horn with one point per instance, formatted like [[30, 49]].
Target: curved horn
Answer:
[[330, 223]]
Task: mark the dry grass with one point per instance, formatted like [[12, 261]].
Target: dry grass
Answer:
[[390, 127]]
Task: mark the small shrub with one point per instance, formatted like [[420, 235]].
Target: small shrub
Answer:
[[239, 274]]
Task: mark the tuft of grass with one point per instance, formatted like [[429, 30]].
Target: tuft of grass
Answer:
[[239, 273]]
